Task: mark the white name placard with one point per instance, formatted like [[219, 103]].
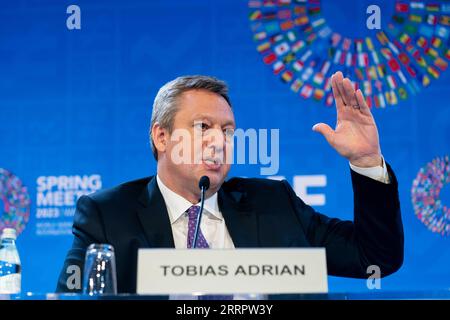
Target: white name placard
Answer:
[[198, 271]]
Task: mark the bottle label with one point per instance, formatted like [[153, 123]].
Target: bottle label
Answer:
[[10, 284], [10, 278]]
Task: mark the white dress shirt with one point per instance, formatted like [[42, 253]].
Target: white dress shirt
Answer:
[[213, 224]]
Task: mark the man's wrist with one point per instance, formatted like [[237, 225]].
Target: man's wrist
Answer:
[[368, 161]]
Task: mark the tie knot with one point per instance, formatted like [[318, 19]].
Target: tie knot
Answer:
[[193, 212]]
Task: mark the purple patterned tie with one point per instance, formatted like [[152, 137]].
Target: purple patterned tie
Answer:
[[201, 241]]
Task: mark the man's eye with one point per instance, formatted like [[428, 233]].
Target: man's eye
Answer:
[[201, 125], [228, 133]]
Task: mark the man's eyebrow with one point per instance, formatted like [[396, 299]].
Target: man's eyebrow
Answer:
[[206, 117]]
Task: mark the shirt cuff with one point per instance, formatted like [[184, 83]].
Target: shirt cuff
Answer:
[[378, 173]]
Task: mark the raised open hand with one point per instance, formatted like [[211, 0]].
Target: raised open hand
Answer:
[[355, 136]]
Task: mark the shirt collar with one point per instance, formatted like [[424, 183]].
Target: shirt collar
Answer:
[[177, 205]]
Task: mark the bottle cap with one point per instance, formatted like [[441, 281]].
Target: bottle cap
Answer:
[[9, 233]]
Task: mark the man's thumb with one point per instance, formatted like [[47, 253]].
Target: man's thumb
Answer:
[[325, 130]]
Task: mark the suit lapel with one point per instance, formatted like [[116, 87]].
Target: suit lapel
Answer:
[[152, 213], [240, 219]]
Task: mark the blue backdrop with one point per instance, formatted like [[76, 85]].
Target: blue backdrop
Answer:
[[75, 106]]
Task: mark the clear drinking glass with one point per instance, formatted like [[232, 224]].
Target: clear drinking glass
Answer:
[[100, 270]]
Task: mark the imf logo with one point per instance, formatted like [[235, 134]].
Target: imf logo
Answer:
[[14, 202]]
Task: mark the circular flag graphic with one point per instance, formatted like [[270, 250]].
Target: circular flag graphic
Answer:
[[16, 202], [295, 41], [425, 193]]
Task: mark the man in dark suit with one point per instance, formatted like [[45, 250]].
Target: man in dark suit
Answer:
[[158, 212]]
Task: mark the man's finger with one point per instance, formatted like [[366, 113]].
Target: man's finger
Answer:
[[338, 78], [325, 130], [362, 102], [349, 93], [337, 97]]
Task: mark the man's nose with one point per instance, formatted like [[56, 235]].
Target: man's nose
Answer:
[[215, 139]]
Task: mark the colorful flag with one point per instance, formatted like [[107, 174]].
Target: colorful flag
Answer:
[[445, 20], [348, 60], [401, 7], [381, 36], [318, 22], [282, 48], [335, 39], [313, 11], [379, 85], [415, 18], [404, 59], [363, 59], [318, 78], [398, 19], [287, 25], [278, 67], [306, 91], [346, 44], [382, 102], [411, 70], [402, 76], [391, 97], [442, 32], [372, 73], [432, 19], [291, 36], [295, 86], [325, 67], [289, 58], [255, 15], [284, 14], [417, 5], [337, 56], [302, 20], [298, 65], [405, 38], [276, 38], [270, 58], [432, 7], [359, 74], [381, 70], [375, 57], [287, 76], [318, 94], [260, 35], [367, 87], [402, 93], [425, 80], [433, 72], [307, 73], [329, 100], [298, 10], [263, 47], [431, 52], [298, 45], [391, 82], [441, 63], [436, 42], [393, 65], [369, 102], [422, 42]]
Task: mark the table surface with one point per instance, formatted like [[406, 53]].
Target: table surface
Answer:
[[370, 295]]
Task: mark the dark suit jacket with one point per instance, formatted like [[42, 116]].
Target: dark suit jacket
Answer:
[[257, 213]]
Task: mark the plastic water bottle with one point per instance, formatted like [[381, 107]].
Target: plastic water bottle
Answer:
[[10, 268]]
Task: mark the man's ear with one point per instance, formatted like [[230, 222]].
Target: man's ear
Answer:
[[160, 137]]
